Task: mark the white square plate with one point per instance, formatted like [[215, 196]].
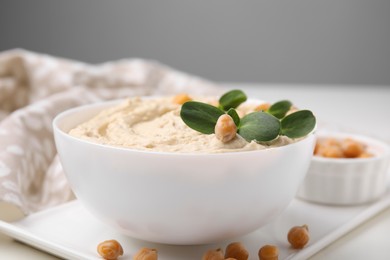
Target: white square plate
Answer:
[[69, 231]]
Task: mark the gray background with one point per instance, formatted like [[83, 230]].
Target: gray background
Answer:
[[323, 42]]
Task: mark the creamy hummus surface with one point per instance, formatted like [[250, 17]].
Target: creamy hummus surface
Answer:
[[154, 124]]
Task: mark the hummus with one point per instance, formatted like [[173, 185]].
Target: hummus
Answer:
[[154, 124]]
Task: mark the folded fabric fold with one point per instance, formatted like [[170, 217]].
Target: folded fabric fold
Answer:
[[34, 88]]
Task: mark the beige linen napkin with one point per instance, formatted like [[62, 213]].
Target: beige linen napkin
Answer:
[[34, 88]]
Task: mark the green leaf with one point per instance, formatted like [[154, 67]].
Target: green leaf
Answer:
[[280, 108], [232, 99], [200, 116], [259, 126], [236, 118], [298, 124]]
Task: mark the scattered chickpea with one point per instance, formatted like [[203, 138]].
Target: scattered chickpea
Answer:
[[110, 249], [262, 107], [298, 236], [237, 251], [180, 99], [269, 252], [146, 254], [225, 128], [214, 254]]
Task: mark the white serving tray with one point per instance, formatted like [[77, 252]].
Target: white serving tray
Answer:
[[70, 232]]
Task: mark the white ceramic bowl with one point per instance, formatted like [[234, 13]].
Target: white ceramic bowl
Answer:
[[179, 198], [347, 181]]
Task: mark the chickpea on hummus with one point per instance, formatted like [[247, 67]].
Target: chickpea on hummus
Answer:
[[154, 124]]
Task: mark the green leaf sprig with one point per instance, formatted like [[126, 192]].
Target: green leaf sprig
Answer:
[[260, 126]]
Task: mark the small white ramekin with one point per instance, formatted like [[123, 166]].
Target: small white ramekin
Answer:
[[347, 181]]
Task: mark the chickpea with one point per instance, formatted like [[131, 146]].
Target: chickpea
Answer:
[[110, 249], [262, 107], [180, 99], [332, 151], [225, 128], [237, 251], [298, 236], [269, 252], [213, 254], [318, 148], [146, 254], [352, 148]]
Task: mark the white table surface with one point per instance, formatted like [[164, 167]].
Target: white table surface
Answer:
[[362, 109]]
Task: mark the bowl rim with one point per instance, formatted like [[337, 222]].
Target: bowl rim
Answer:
[[384, 154], [105, 104]]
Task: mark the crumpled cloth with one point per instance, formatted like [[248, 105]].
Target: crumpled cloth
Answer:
[[35, 87]]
